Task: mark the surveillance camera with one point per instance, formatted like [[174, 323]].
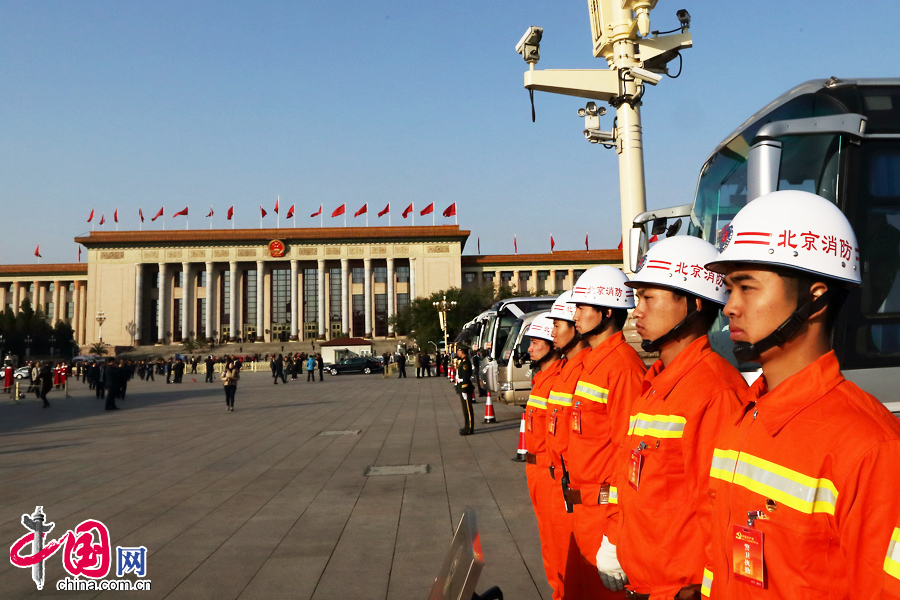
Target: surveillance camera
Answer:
[[581, 112], [530, 44], [645, 75], [595, 136], [684, 17]]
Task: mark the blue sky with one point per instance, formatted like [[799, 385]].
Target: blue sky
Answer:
[[133, 105]]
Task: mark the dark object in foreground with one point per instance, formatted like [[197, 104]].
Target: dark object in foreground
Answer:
[[462, 565]]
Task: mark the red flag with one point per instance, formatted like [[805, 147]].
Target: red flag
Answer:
[[427, 210], [141, 214], [339, 210], [102, 219], [407, 211], [262, 211], [91, 218], [515, 244], [181, 212], [37, 251], [450, 211], [552, 243], [158, 215], [363, 210], [116, 216], [386, 210], [290, 212], [318, 212], [230, 213], [620, 242], [210, 212], [277, 199], [654, 238]]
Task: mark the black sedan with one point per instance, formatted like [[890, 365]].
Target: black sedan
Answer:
[[356, 364]]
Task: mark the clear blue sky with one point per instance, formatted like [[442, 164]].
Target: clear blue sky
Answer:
[[137, 104]]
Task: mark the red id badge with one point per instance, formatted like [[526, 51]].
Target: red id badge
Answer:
[[576, 420], [531, 420], [747, 558], [552, 423], [634, 469]]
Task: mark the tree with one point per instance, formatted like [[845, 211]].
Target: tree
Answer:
[[190, 346], [99, 349]]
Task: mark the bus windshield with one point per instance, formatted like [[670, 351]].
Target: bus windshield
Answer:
[[510, 347]]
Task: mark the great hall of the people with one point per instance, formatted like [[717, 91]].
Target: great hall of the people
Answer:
[[162, 287]]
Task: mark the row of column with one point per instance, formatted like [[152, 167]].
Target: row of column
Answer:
[[19, 292], [234, 282]]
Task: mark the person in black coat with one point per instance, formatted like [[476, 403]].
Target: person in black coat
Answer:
[[401, 364], [210, 368], [179, 370], [115, 376], [44, 383], [320, 362]]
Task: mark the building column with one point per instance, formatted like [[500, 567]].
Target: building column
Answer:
[[390, 296], [345, 295], [515, 281], [186, 303], [260, 301], [232, 301], [301, 331], [76, 316], [321, 304], [138, 294], [161, 311], [367, 286], [36, 297], [570, 279], [412, 279], [535, 282], [552, 279], [83, 308], [210, 300], [295, 330], [54, 317]]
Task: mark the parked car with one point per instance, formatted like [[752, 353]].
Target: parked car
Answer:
[[356, 364], [22, 373]]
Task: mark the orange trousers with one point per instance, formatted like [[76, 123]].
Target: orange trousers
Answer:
[[539, 488], [568, 561], [590, 526]]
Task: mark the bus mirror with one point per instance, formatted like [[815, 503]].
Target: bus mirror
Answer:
[[637, 242], [659, 226], [674, 228]]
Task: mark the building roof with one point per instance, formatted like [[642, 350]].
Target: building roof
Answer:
[[99, 239], [49, 269], [347, 341], [563, 256]]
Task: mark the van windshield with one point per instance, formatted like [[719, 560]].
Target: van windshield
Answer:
[[510, 346]]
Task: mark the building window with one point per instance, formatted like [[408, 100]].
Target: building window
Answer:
[[178, 334], [201, 317], [381, 315], [560, 281], [203, 276], [334, 291], [70, 310], [311, 296], [576, 274], [381, 275], [31, 287], [179, 279], [49, 313], [281, 296], [358, 274], [359, 314], [402, 301], [250, 297], [505, 278], [403, 274], [487, 277], [225, 295], [469, 277], [51, 286]]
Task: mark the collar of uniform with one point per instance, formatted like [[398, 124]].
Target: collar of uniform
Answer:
[[571, 365], [777, 407], [541, 376], [603, 350], [663, 379]]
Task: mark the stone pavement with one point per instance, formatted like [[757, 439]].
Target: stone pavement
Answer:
[[259, 503]]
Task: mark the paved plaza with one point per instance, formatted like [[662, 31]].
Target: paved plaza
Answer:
[[273, 500]]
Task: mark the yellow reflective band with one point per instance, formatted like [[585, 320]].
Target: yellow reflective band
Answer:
[[707, 583], [537, 402], [613, 495], [591, 392], [560, 398], [660, 426], [801, 492], [892, 560]]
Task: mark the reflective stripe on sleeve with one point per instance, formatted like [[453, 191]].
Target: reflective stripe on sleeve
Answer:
[[660, 426], [560, 398], [801, 492], [537, 402], [892, 560], [591, 392], [707, 583], [613, 495]]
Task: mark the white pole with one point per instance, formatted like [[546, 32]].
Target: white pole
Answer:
[[432, 217]]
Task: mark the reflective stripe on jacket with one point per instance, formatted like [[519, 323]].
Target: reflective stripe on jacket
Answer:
[[536, 409]]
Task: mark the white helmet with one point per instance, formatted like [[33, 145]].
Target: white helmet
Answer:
[[541, 328], [680, 263], [603, 286], [563, 308], [792, 229]]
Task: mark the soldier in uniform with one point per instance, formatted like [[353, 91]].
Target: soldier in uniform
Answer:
[[464, 387]]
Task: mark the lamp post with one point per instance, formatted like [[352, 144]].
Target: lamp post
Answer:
[[52, 347], [443, 306], [101, 318], [28, 345], [2, 340]]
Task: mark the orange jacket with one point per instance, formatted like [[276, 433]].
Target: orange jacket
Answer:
[[609, 383], [820, 459], [661, 528], [892, 566], [559, 406], [536, 409]]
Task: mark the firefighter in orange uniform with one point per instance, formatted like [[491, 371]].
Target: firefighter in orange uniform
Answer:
[[546, 367], [573, 351], [609, 382], [656, 539], [804, 481]]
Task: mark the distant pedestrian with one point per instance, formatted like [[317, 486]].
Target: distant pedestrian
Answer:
[[401, 364], [44, 383], [320, 362], [311, 368], [210, 368], [230, 376], [115, 381]]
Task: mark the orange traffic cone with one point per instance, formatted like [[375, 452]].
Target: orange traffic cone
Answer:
[[521, 452], [489, 411]]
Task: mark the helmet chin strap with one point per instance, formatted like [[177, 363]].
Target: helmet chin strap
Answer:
[[564, 351], [676, 332], [537, 364], [598, 329], [747, 352]]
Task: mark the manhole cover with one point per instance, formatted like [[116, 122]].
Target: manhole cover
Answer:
[[397, 470], [343, 432]]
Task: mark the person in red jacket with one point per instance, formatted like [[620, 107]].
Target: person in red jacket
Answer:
[[546, 366], [804, 481], [656, 540], [573, 350], [609, 382]]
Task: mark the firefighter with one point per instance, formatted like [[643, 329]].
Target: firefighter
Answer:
[[655, 540], [809, 468], [572, 351], [545, 366], [464, 387], [609, 382]]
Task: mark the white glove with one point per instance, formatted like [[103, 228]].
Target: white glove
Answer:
[[611, 572]]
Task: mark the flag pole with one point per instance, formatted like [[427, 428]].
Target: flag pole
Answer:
[[432, 218], [413, 213], [186, 221]]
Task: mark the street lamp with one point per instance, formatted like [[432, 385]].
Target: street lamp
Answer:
[[101, 317], [27, 345], [443, 306], [52, 348], [2, 340]]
